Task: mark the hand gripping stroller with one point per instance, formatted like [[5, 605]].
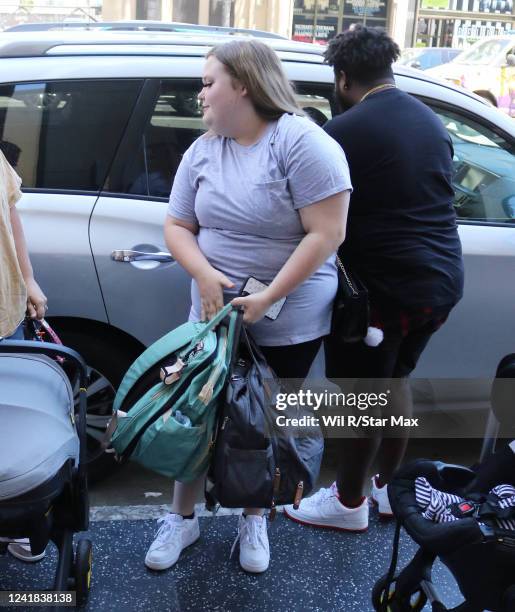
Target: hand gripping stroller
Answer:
[[43, 484]]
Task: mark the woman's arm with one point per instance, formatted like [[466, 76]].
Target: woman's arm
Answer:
[[36, 299], [180, 238], [324, 223]]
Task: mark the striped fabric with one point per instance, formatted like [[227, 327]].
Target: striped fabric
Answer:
[[436, 504]]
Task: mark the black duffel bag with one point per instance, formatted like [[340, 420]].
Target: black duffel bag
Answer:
[[256, 463]]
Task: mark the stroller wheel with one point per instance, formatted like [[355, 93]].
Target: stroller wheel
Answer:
[[82, 570], [415, 603]]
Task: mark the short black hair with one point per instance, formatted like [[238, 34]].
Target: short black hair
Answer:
[[365, 54]]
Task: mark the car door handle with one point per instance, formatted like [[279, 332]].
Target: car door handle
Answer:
[[128, 256]]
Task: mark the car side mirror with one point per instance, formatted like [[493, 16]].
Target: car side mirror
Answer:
[[415, 64], [510, 59]]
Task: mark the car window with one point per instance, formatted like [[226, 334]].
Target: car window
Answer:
[[484, 165], [316, 101], [483, 53], [63, 135], [175, 123]]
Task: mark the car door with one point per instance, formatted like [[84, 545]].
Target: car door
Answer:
[[60, 136], [146, 292], [481, 328]]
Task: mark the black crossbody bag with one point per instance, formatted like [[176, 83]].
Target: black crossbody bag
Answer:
[[351, 312]]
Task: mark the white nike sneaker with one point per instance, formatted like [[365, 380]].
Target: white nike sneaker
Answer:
[[174, 535], [379, 496], [324, 509], [254, 546]]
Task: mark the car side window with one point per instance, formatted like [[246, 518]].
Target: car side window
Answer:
[[484, 170], [316, 101], [63, 135], [175, 123]]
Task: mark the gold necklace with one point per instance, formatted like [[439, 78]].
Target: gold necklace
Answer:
[[377, 88]]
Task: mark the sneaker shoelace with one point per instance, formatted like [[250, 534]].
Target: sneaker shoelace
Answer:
[[253, 532], [169, 527], [322, 495]]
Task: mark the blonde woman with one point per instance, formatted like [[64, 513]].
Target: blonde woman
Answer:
[[263, 193]]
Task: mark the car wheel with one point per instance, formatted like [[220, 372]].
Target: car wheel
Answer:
[[107, 363]]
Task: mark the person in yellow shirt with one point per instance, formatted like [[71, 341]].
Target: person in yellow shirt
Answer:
[[20, 294]]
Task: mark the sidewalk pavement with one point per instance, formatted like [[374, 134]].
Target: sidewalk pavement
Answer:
[[310, 570]]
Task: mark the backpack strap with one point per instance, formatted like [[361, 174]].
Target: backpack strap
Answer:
[[209, 326]]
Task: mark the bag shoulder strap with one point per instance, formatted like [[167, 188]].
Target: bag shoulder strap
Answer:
[[348, 280]]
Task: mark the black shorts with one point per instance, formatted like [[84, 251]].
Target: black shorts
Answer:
[[406, 335]]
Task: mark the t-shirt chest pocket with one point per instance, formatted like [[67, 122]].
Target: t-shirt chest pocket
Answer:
[[270, 198]]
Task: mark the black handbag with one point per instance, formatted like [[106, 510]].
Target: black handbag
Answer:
[[351, 312], [255, 463]]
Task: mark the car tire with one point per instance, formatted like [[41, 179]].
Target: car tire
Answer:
[[107, 362]]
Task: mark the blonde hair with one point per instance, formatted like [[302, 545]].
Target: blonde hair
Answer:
[[256, 66]]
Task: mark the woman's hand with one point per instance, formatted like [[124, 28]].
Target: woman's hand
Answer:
[[36, 300], [254, 306], [211, 284]]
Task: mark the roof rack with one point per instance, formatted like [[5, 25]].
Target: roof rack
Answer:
[[93, 42], [139, 25]]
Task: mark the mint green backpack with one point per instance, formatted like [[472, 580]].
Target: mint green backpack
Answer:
[[166, 405]]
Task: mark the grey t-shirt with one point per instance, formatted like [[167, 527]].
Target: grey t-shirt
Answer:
[[245, 200]]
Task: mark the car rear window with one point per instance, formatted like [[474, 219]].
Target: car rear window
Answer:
[[63, 135]]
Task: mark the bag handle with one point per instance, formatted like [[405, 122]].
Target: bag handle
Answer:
[[340, 265], [210, 325]]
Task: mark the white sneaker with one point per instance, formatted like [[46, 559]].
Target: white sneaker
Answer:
[[254, 547], [174, 535], [20, 549], [379, 496], [324, 509]]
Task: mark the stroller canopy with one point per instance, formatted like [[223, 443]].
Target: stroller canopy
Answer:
[[37, 431]]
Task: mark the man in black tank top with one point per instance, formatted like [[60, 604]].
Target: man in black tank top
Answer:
[[401, 241]]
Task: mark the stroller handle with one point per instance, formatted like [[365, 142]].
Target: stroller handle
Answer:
[[49, 349], [57, 350]]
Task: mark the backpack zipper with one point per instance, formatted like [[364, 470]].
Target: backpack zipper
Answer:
[[206, 393]]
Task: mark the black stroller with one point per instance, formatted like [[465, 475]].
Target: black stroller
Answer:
[[43, 484], [476, 549]]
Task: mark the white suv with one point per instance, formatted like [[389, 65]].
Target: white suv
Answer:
[[96, 124]]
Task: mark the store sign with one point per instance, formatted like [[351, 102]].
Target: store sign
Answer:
[[480, 31], [435, 4], [303, 29], [365, 8]]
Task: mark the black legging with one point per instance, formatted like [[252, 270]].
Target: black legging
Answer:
[[293, 360]]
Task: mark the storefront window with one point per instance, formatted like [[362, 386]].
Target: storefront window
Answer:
[[437, 28], [221, 13], [320, 20]]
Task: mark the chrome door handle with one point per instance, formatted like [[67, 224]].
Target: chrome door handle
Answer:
[[129, 256]]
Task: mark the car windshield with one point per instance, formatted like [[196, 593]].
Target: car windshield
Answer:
[[484, 53], [465, 133], [408, 55]]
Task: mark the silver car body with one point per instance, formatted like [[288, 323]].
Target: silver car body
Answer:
[[72, 236]]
